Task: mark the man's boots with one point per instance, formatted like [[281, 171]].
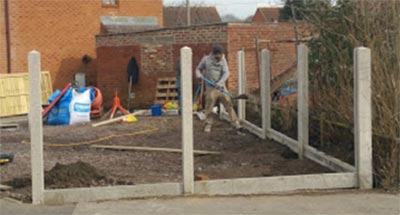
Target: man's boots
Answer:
[[207, 127], [239, 128]]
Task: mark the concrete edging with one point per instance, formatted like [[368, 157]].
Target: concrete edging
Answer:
[[253, 129], [240, 186], [90, 194], [283, 139], [327, 160], [268, 185]]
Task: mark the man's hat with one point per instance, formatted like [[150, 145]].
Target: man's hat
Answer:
[[217, 49]]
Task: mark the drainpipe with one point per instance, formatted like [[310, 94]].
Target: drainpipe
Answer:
[[7, 28]]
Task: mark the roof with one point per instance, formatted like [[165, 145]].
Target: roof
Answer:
[[120, 24], [270, 14], [105, 34], [177, 16]]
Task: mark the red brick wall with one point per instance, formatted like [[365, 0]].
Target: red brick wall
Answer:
[[258, 17], [157, 52], [181, 35], [283, 55], [113, 62], [63, 31]]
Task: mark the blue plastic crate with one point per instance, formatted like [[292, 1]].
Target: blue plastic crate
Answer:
[[156, 110]]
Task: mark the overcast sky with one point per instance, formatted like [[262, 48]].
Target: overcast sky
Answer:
[[240, 8]]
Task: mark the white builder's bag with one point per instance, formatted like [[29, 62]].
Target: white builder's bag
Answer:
[[79, 107]]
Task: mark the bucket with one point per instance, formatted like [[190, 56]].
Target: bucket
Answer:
[[156, 110]]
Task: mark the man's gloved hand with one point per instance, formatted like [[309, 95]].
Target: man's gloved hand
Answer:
[[200, 76], [219, 85]]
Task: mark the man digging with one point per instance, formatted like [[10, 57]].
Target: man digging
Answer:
[[215, 68]]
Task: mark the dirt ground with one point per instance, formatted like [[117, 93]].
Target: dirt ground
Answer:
[[65, 151]]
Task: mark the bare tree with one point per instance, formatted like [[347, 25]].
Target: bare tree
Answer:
[[230, 18], [199, 13]]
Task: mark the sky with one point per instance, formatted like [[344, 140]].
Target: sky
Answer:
[[240, 8]]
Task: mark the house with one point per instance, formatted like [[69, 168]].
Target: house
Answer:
[[63, 31], [157, 52], [177, 16], [266, 14]]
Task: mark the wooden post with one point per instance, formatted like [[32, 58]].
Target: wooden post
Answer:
[[302, 98], [36, 127], [265, 94], [363, 116], [187, 120], [241, 85]]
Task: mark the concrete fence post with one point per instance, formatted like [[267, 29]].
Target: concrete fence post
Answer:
[[265, 87], [187, 120], [241, 84], [302, 98], [363, 117], [36, 127]]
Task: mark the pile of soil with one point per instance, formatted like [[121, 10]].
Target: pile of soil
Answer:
[[78, 174]]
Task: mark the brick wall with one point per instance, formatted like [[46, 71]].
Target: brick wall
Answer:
[[258, 17], [216, 33], [63, 31], [283, 54], [156, 51]]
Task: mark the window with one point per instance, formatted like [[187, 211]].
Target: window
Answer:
[[109, 3]]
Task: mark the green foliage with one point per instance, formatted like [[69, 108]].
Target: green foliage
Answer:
[[286, 12], [299, 8]]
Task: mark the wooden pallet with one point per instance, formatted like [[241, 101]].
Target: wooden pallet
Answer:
[[14, 93], [166, 90]]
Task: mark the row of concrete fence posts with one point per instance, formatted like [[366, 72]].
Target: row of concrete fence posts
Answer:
[[362, 108], [362, 113], [362, 105]]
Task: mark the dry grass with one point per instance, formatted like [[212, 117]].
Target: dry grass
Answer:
[[338, 30]]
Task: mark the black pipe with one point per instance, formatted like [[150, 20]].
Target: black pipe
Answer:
[[7, 26]]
